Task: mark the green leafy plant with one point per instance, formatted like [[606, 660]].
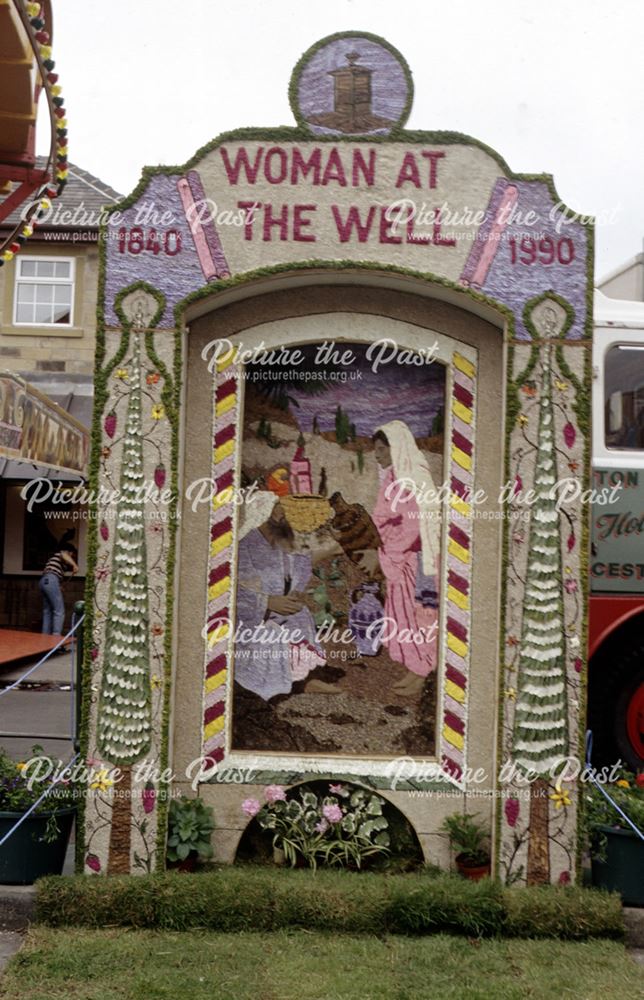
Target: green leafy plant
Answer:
[[190, 823], [627, 792], [341, 828], [22, 785], [470, 838]]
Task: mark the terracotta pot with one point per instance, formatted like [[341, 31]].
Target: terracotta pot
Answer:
[[472, 871]]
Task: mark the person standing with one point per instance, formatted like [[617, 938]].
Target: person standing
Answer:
[[407, 518], [53, 612]]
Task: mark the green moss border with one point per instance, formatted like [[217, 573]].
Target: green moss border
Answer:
[[302, 134], [139, 286], [170, 395], [582, 409], [427, 277], [512, 410], [288, 133], [293, 96], [100, 396], [375, 781], [248, 277]]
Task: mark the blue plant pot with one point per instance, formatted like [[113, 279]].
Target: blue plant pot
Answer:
[[623, 869], [26, 856]]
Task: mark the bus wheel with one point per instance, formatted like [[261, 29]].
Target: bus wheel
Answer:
[[629, 722], [616, 703]]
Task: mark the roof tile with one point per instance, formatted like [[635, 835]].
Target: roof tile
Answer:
[[84, 194]]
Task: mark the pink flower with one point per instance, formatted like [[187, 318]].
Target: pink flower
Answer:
[[512, 809], [275, 793], [332, 813], [564, 878], [93, 862], [569, 434], [110, 424], [337, 790], [571, 586], [322, 826], [578, 664], [148, 797], [251, 807]]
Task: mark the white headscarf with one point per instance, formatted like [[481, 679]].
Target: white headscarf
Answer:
[[257, 510], [410, 466]]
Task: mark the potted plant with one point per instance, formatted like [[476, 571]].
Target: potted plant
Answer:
[[471, 841], [190, 824], [616, 850], [38, 846], [339, 826]]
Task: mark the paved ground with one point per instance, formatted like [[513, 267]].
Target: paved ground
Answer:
[[42, 705], [38, 714], [55, 670]]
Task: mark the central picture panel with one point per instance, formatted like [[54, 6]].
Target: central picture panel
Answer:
[[338, 580]]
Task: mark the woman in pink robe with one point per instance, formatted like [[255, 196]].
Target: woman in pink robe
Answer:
[[409, 531]]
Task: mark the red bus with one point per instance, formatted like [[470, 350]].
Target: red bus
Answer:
[[616, 612]]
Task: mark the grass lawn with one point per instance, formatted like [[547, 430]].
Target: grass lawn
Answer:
[[72, 964]]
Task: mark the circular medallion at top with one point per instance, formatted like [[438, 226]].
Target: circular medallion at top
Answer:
[[351, 84]]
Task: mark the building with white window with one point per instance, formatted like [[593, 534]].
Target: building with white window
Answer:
[[48, 296], [48, 292], [44, 292]]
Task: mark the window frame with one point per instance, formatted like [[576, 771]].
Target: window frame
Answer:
[[621, 449], [18, 278], [605, 337]]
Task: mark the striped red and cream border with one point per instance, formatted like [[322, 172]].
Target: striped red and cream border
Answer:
[[457, 605], [220, 562]]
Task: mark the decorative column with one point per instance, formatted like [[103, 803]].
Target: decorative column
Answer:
[[131, 549], [540, 696]]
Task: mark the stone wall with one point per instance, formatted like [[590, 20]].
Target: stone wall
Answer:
[[62, 349]]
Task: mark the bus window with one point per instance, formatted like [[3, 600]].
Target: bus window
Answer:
[[624, 397]]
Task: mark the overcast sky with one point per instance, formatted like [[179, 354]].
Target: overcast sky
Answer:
[[554, 86]]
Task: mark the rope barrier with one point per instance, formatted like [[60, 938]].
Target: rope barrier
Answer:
[[45, 657]]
